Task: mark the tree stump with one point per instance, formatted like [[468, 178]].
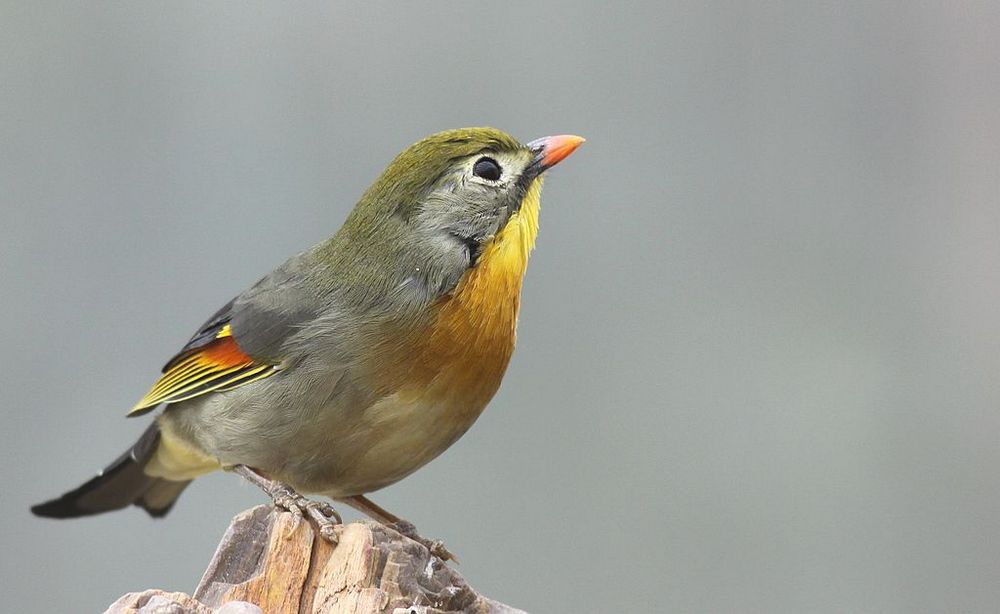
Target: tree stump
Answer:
[[272, 562]]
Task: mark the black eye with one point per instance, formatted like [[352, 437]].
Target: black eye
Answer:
[[487, 168]]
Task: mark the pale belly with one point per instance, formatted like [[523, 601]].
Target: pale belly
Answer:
[[394, 437], [325, 443]]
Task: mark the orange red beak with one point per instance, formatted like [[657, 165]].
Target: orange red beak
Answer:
[[551, 150]]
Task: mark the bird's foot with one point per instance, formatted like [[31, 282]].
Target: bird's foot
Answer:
[[322, 514], [367, 506], [436, 546]]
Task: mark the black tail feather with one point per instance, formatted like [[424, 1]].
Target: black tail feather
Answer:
[[121, 484]]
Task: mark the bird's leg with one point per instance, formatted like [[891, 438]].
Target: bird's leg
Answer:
[[366, 506], [323, 514]]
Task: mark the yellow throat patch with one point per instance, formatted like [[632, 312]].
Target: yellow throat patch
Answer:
[[493, 286], [472, 339], [507, 254]]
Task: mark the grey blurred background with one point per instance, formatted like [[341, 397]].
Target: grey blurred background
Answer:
[[759, 354]]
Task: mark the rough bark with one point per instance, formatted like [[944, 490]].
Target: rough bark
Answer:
[[272, 562]]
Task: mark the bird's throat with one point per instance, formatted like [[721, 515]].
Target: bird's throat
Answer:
[[472, 337], [506, 256], [489, 295]]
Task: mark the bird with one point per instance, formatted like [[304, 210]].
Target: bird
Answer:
[[359, 360]]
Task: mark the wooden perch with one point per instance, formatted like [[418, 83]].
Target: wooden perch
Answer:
[[272, 562]]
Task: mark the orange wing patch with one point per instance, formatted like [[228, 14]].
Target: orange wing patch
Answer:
[[217, 366]]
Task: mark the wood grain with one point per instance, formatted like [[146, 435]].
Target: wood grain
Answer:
[[272, 562]]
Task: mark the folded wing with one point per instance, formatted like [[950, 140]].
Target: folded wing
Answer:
[[211, 361]]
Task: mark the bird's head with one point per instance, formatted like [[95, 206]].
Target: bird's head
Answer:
[[448, 199]]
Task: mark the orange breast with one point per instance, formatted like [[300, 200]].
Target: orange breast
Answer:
[[472, 336], [434, 383]]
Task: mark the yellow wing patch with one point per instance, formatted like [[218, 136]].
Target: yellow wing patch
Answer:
[[217, 366]]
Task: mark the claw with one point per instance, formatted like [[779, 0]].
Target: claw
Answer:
[[322, 514], [435, 547], [327, 510]]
